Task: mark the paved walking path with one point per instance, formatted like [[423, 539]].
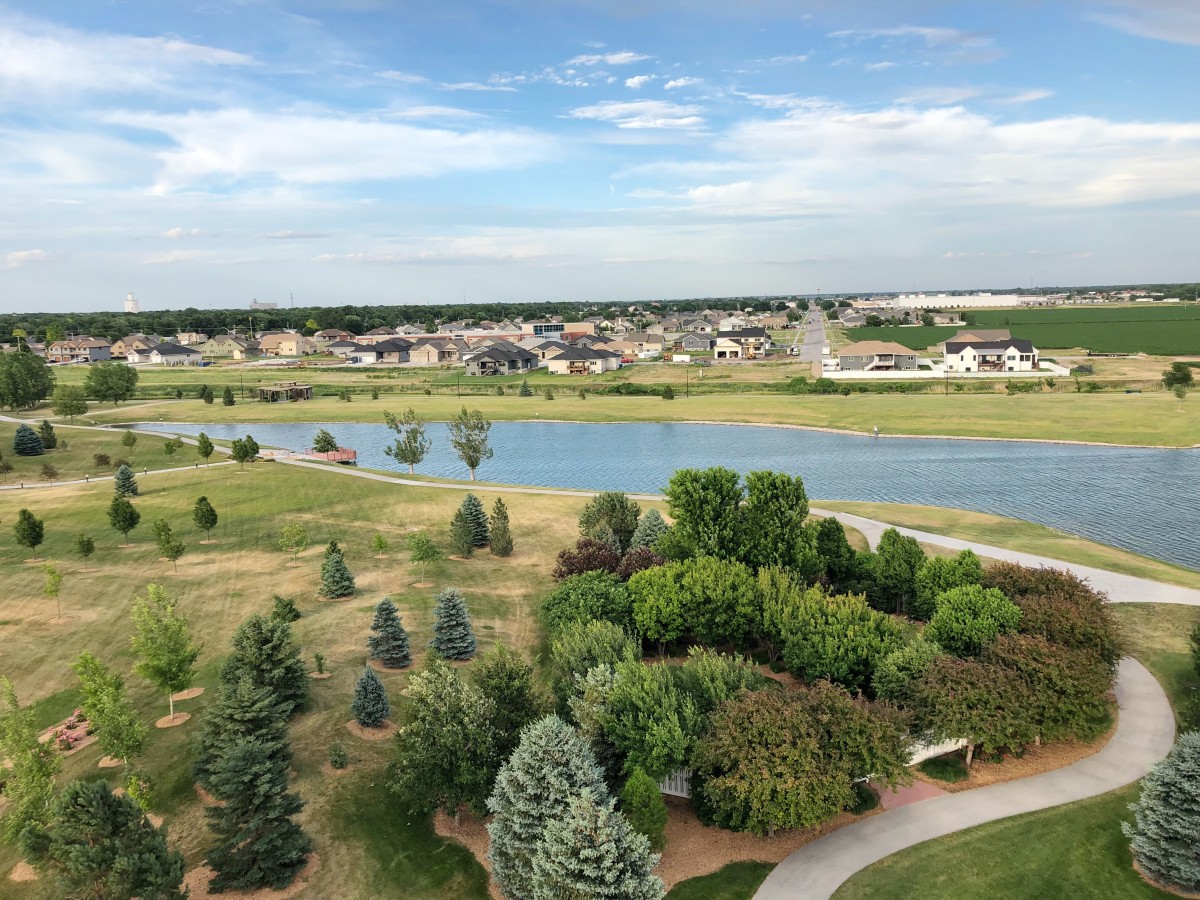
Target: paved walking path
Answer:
[[1144, 735], [1120, 588]]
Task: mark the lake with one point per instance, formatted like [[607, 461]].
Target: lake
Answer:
[[1145, 500]]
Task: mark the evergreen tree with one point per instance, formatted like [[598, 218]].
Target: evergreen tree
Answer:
[[100, 844], [244, 710], [206, 394], [502, 542], [389, 644], [204, 447], [123, 516], [462, 537], [26, 442], [525, 390], [227, 397], [551, 766], [258, 844], [370, 706], [504, 678], [472, 510], [1163, 835], [643, 805], [336, 580], [124, 483], [452, 634], [29, 530], [46, 433], [204, 516], [264, 652], [284, 609], [650, 527], [592, 851]]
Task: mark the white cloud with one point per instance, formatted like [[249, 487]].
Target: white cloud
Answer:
[[641, 114], [931, 36], [880, 66], [637, 82], [1175, 21], [621, 58], [235, 145], [18, 258], [947, 95], [434, 111], [401, 77], [295, 235], [177, 233], [495, 84], [676, 83], [1027, 96]]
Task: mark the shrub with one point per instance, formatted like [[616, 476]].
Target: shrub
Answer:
[[949, 768], [338, 758], [865, 798], [588, 596], [285, 609], [581, 646], [969, 618], [588, 555], [938, 575], [900, 668], [839, 638], [642, 804], [101, 460]]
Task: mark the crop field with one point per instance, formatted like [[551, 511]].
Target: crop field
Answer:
[[1157, 330]]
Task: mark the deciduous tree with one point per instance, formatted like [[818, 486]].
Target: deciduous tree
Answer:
[[469, 437], [897, 561], [204, 447], [204, 516], [774, 511], [840, 638], [293, 539], [123, 516], [705, 505], [111, 716], [113, 382], [938, 575], [968, 618], [29, 780], [411, 446], [324, 442], [25, 380], [161, 641], [588, 555], [29, 530], [424, 551], [84, 548], [503, 677], [590, 595]]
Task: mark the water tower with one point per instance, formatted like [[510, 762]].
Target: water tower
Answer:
[[131, 305]]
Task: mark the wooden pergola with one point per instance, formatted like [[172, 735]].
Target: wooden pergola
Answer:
[[284, 391]]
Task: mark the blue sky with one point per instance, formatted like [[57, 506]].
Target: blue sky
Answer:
[[205, 153]]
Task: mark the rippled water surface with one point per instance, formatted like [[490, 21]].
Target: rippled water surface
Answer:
[[1145, 500]]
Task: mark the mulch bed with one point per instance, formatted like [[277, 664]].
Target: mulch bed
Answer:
[[189, 694], [372, 734], [172, 721], [320, 676]]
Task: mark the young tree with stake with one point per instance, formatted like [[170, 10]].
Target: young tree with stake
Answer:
[[84, 548], [53, 586], [123, 516], [424, 551], [469, 436], [205, 517], [30, 531], [411, 446], [294, 539], [161, 641]]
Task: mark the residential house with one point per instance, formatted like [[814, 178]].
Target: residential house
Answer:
[[81, 349], [170, 355], [773, 321], [851, 318], [700, 326], [501, 361], [409, 330], [877, 356], [731, 323], [755, 342], [583, 361], [647, 344], [1012, 355], [394, 350], [694, 342], [190, 338], [724, 348], [286, 343], [353, 352], [433, 351], [228, 345], [122, 346], [327, 336]]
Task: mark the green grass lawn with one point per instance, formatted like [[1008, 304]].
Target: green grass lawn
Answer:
[[737, 881], [1136, 419], [1157, 635], [76, 446], [1013, 534]]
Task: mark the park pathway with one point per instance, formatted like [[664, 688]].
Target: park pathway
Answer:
[[1144, 735]]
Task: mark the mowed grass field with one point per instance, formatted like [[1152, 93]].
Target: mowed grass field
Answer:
[[1150, 419], [73, 457], [1159, 330], [1076, 850], [368, 846]]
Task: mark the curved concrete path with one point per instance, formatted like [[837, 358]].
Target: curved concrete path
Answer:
[[1145, 733]]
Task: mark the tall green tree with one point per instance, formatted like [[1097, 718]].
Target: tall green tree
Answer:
[[29, 530], [70, 401], [462, 535], [244, 710], [25, 380], [46, 433], [370, 705], [453, 637], [593, 851], [259, 845], [112, 382], [498, 526], [411, 446], [775, 511], [389, 644], [650, 527], [967, 619], [263, 651], [324, 442], [643, 805], [897, 561], [244, 450], [111, 716], [204, 517], [839, 638], [227, 398], [446, 750], [469, 437], [29, 781], [123, 516], [536, 786], [581, 646], [1166, 821], [838, 559], [938, 575], [162, 643], [26, 441], [204, 447], [100, 844], [472, 510], [613, 511], [1178, 375], [705, 505], [503, 677]]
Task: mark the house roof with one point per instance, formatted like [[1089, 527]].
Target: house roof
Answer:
[[1019, 344], [735, 333], [395, 345], [576, 354], [981, 334], [874, 348], [503, 354], [174, 350]]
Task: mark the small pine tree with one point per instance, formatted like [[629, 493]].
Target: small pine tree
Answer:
[[370, 706], [264, 652], [591, 851], [668, 393], [46, 433], [124, 483], [336, 580], [1167, 818], [258, 844], [284, 609], [338, 757], [27, 443], [453, 637], [462, 538], [389, 643], [643, 805], [227, 397], [548, 394], [502, 542], [526, 390], [650, 527], [206, 394], [472, 509]]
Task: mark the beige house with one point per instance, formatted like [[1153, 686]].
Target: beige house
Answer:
[[583, 361], [877, 356], [81, 349], [285, 343], [121, 347]]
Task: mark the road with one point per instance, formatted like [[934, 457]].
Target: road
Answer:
[[814, 336]]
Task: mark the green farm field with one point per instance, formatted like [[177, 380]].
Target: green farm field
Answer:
[[1156, 330]]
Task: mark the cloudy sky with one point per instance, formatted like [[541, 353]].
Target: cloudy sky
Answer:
[[206, 152]]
